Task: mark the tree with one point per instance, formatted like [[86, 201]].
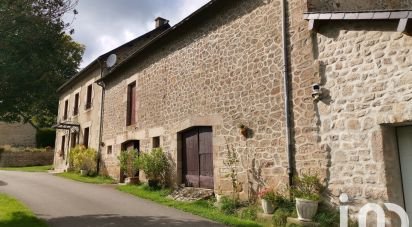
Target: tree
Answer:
[[37, 55]]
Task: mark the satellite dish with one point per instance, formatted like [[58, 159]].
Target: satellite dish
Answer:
[[111, 60]]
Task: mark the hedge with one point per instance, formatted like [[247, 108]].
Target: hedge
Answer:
[[45, 137]]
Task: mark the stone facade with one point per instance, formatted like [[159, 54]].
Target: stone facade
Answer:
[[17, 134], [354, 5], [222, 73]]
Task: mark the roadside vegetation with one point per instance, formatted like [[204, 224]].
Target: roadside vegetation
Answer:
[[29, 168], [86, 179], [15, 214], [203, 208]]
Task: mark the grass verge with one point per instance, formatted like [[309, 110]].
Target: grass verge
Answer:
[[28, 168], [15, 214], [200, 208], [86, 179]]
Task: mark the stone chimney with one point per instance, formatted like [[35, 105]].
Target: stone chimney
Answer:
[[160, 22]]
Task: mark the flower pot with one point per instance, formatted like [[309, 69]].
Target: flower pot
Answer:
[[267, 206], [84, 172], [131, 180], [306, 209], [218, 198]]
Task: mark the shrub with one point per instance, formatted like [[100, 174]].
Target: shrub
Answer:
[[154, 164], [228, 205], [45, 137], [127, 161], [82, 158], [307, 187], [249, 213]]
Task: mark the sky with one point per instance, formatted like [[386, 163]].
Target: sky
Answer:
[[102, 25]]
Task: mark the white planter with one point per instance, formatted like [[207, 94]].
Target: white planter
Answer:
[[84, 173], [218, 198], [267, 206], [306, 209]]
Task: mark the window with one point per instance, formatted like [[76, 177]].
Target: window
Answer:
[[131, 104], [66, 106], [156, 142], [86, 137], [89, 97], [109, 149], [76, 104], [62, 151], [73, 139]]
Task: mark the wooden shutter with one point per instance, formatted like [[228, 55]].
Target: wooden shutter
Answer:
[[206, 157], [76, 104], [191, 158], [86, 137], [131, 104]]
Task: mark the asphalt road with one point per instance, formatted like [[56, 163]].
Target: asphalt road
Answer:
[[66, 203]]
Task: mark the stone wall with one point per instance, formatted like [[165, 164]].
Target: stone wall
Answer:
[[355, 5], [21, 159], [221, 73], [17, 134]]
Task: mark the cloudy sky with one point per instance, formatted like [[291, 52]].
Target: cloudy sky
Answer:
[[102, 25]]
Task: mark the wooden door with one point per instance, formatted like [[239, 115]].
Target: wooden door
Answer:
[[198, 157], [405, 153]]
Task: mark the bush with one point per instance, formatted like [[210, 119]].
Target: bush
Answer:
[[249, 213], [127, 161], [45, 137], [228, 205], [82, 158], [307, 187], [154, 164]]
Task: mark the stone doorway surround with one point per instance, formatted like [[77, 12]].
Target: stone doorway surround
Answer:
[[214, 121]]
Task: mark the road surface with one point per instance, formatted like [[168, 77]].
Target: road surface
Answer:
[[66, 203]]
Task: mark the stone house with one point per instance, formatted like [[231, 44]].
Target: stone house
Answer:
[[348, 81], [17, 134], [79, 120]]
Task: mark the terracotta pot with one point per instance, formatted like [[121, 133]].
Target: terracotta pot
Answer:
[[267, 206], [131, 180], [306, 209], [84, 172]]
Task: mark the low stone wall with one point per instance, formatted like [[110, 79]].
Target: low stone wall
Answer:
[[20, 159]]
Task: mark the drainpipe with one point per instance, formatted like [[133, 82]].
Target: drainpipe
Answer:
[[286, 87], [99, 149]]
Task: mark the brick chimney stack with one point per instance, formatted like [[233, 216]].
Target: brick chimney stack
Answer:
[[160, 22]]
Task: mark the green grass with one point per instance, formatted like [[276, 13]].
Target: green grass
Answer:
[[200, 208], [15, 214], [28, 168], [86, 179]]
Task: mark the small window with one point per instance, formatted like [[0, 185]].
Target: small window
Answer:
[[89, 97], [156, 142], [63, 146], [66, 106], [131, 104], [86, 137], [109, 149], [76, 104], [73, 139]]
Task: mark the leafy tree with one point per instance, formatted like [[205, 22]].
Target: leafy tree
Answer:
[[37, 55]]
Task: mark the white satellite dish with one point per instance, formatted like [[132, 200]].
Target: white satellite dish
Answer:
[[111, 60]]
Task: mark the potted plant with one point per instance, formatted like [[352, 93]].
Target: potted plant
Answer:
[[268, 197], [127, 161], [307, 190], [154, 164], [218, 195], [83, 160]]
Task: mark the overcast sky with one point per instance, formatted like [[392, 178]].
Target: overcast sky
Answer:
[[102, 25]]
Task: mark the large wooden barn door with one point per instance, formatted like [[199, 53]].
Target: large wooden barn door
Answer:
[[198, 157]]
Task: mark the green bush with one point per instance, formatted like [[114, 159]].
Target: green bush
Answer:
[[45, 137], [228, 205], [127, 161], [154, 164], [307, 187], [82, 158], [249, 213]]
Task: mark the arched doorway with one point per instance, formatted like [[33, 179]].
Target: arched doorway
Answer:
[[129, 145]]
